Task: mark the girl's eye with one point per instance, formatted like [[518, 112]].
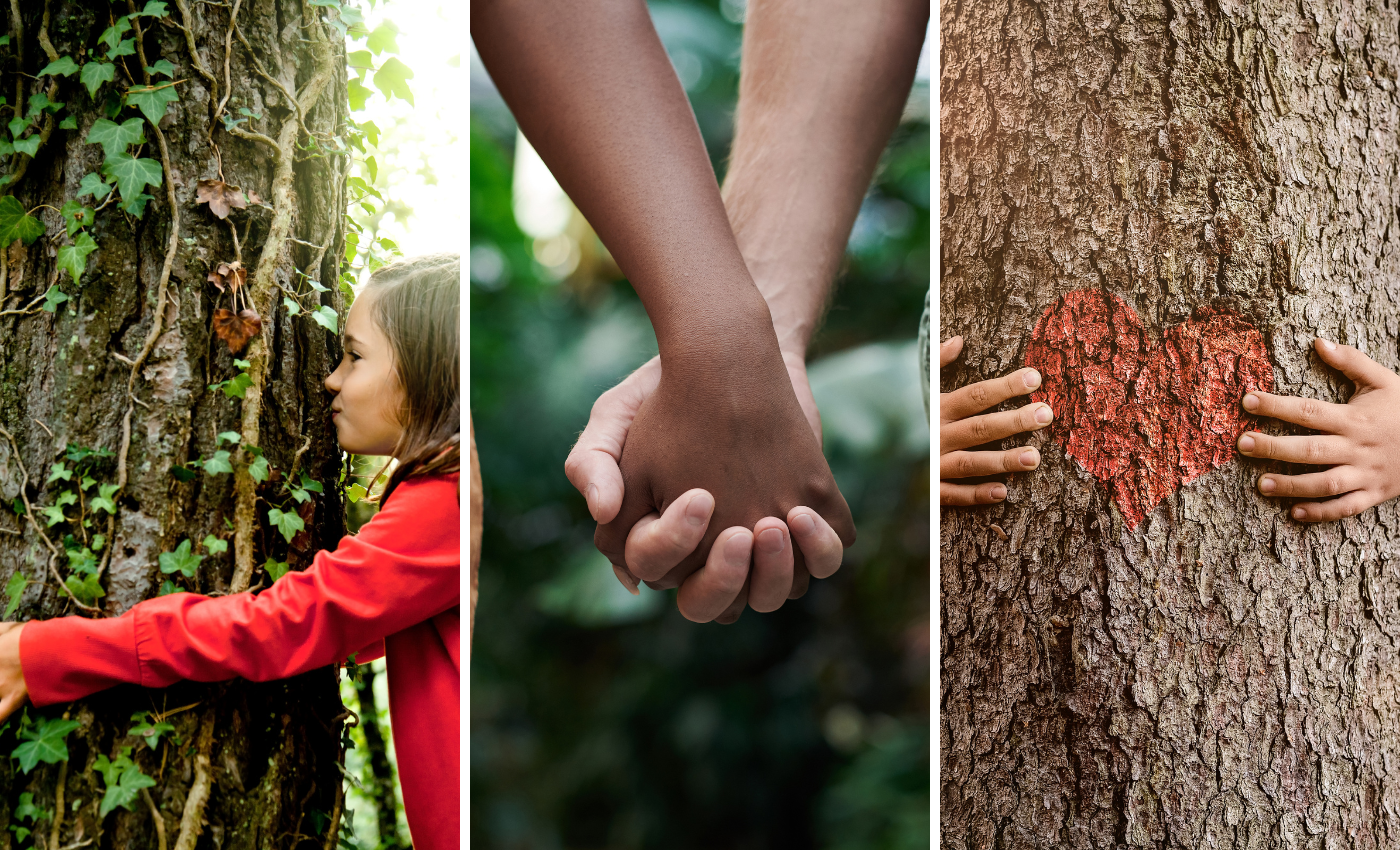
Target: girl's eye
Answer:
[[354, 356]]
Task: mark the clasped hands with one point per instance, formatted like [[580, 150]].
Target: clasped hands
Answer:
[[708, 476]]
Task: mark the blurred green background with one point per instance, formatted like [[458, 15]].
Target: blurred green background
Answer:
[[603, 720]]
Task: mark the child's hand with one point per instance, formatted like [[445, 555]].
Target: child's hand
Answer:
[[1360, 440], [12, 689], [958, 429]]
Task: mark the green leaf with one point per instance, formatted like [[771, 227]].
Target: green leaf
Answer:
[[182, 472], [43, 742], [125, 47], [215, 545], [152, 100], [60, 67], [112, 35], [26, 810], [60, 471], [88, 589], [258, 469], [73, 258], [355, 492], [16, 223], [218, 464], [29, 146], [300, 495], [82, 560], [69, 123], [382, 38], [75, 216], [124, 782], [313, 486], [275, 569], [67, 497], [168, 587], [52, 298], [132, 175], [162, 66], [293, 308], [98, 541], [104, 501], [154, 9], [17, 126], [326, 318], [227, 437], [94, 74], [4, 40], [392, 79], [14, 590], [115, 138], [94, 185], [136, 206], [39, 101], [182, 560], [234, 387], [287, 522], [87, 483], [358, 93], [148, 731]]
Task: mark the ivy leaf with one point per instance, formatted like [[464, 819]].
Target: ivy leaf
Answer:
[[168, 587], [16, 223], [29, 146], [61, 67], [94, 74], [218, 464], [88, 589], [258, 469], [60, 471], [52, 298], [235, 329], [148, 731], [326, 318], [26, 810], [82, 560], [104, 501], [293, 308], [73, 258], [43, 742], [181, 561], [94, 185], [220, 196], [287, 522], [127, 787], [39, 101], [115, 138], [382, 38], [132, 175], [75, 216], [14, 590], [215, 545], [125, 47], [228, 437], [17, 126], [136, 206], [113, 34], [355, 492], [152, 100], [275, 569], [392, 79], [313, 486], [182, 472], [162, 66], [69, 123], [234, 387], [154, 9]]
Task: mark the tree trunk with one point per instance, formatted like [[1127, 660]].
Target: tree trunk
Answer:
[[379, 784], [123, 367], [1137, 648]]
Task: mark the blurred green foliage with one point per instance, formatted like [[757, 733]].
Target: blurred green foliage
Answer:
[[602, 720]]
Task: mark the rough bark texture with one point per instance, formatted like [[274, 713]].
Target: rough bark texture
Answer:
[[269, 751], [1216, 675]]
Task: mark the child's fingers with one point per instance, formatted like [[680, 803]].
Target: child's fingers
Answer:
[[658, 542], [970, 464], [953, 495], [709, 591], [820, 547], [596, 475], [1314, 485], [771, 578], [1319, 450], [1308, 412], [975, 398], [1351, 504], [736, 607], [1362, 370], [949, 350], [993, 426]]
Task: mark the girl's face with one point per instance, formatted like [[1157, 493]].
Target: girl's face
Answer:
[[368, 396]]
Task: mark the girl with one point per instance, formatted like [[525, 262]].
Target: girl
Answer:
[[391, 590]]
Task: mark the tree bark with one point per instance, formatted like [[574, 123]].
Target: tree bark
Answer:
[[125, 366], [1180, 664]]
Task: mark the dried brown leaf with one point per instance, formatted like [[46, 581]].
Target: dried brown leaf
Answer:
[[236, 330], [220, 196], [231, 274]]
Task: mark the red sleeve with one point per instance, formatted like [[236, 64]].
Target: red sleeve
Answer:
[[401, 569]]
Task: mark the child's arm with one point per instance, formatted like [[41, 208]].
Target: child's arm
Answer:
[[1360, 441], [959, 428], [403, 567], [592, 88]]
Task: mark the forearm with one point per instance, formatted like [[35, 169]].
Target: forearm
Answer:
[[822, 86], [592, 89]]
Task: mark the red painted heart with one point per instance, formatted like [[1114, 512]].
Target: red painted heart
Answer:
[[1145, 416]]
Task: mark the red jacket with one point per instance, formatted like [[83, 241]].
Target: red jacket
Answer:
[[398, 581]]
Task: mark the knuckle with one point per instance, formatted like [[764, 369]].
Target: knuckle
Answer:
[[1309, 409], [980, 394], [1313, 450], [966, 465], [1333, 485], [979, 429]]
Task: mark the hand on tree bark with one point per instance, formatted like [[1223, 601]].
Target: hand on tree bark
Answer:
[[735, 572], [12, 689], [959, 428], [1359, 441]]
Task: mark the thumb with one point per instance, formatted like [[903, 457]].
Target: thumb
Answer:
[[1362, 370], [949, 350], [592, 464]]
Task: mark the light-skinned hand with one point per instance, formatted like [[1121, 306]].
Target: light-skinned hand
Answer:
[[1359, 441], [735, 572], [960, 428], [13, 693]]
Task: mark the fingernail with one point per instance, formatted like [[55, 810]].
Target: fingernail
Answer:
[[999, 492], [802, 524], [1266, 485], [1032, 379], [771, 541], [1246, 443], [1029, 457], [736, 549], [1044, 415], [697, 513], [592, 497], [1251, 402], [626, 580], [1330, 346], [1299, 513]]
